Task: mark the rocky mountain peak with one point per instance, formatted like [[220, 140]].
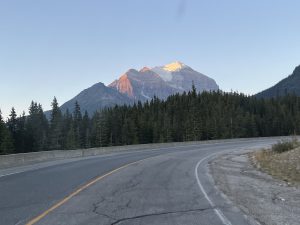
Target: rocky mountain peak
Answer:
[[174, 66], [162, 81]]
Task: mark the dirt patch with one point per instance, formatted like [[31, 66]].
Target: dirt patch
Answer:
[[268, 200]]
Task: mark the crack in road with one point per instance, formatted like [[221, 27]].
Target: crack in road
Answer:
[[122, 207], [159, 214], [96, 206], [129, 186]]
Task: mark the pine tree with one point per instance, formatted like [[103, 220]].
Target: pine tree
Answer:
[[55, 136], [77, 126], [36, 129], [66, 126], [85, 131], [43, 128], [6, 141], [71, 138], [2, 127], [21, 134], [100, 130], [12, 122]]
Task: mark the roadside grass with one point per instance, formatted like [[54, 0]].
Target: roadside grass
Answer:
[[281, 161]]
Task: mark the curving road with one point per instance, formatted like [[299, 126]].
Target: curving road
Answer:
[[160, 186]]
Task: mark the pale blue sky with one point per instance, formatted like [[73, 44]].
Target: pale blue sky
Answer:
[[59, 47]]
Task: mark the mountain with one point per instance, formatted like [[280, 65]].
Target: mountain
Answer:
[[141, 85], [162, 81], [96, 97], [289, 85]]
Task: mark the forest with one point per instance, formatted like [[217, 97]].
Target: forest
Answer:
[[189, 116]]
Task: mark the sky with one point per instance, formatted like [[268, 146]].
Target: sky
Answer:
[[60, 47]]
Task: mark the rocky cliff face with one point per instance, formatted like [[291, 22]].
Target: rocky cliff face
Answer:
[[144, 85]]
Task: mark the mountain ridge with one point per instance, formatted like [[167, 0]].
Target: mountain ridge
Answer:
[[89, 100], [288, 85]]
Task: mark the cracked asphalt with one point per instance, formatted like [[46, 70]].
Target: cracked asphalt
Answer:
[[162, 189]]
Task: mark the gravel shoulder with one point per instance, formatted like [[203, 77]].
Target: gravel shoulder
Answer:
[[268, 200]]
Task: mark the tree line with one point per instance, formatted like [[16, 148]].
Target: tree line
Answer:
[[189, 116]]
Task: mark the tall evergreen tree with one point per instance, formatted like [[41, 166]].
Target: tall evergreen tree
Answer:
[[55, 135], [36, 127], [101, 130], [79, 142], [6, 141], [12, 122], [71, 142], [20, 134], [85, 131]]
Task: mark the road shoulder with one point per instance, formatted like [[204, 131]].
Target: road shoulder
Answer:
[[258, 195]]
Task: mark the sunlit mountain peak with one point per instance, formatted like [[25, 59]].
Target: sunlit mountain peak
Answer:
[[174, 66]]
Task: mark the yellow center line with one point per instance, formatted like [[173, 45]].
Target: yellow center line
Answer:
[[66, 199]]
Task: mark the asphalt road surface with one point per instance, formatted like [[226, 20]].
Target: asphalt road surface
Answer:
[[160, 186]]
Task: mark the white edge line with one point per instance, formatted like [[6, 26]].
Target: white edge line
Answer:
[[217, 211]]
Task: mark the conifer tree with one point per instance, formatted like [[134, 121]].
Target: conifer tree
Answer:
[[77, 126], [66, 126], [21, 134], [71, 138], [85, 131], [6, 141], [12, 122], [36, 129], [55, 136]]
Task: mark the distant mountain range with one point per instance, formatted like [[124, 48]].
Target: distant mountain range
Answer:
[[142, 85], [289, 85]]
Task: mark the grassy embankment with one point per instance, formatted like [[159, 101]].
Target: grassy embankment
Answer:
[[281, 161]]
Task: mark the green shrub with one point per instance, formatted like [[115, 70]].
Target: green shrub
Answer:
[[285, 145]]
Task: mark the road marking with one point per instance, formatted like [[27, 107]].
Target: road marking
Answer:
[[217, 211], [66, 199], [9, 174]]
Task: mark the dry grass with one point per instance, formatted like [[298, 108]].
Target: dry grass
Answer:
[[285, 166]]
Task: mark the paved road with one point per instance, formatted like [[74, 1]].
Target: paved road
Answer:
[[169, 186]]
